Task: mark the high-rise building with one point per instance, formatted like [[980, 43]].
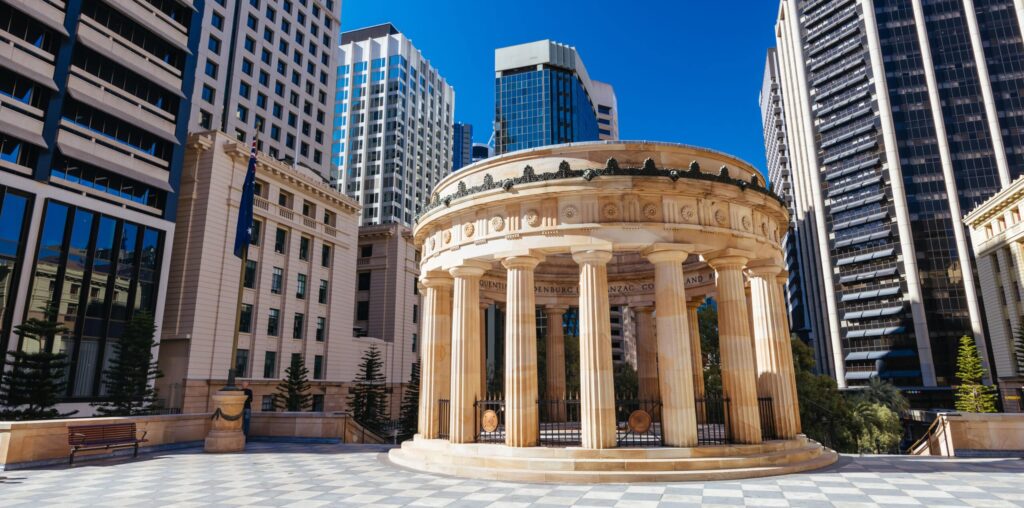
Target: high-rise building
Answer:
[[544, 96], [806, 308], [481, 151], [393, 124], [94, 105], [901, 115], [462, 150], [268, 65]]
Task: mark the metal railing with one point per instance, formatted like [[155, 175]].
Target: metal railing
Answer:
[[766, 410], [443, 420], [638, 422], [559, 422], [484, 409], [712, 420]]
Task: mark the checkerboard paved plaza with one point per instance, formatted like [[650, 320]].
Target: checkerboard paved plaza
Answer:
[[337, 475]]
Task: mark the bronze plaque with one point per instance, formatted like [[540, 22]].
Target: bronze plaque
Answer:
[[639, 421], [490, 420]]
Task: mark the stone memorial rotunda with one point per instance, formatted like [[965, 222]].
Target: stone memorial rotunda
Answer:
[[654, 226]]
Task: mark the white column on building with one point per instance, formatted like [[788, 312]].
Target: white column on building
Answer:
[[465, 378], [521, 418], [597, 383], [435, 375]]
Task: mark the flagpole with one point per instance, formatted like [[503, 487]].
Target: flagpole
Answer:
[[230, 386]]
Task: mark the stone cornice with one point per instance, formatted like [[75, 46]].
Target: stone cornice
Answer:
[[611, 168]]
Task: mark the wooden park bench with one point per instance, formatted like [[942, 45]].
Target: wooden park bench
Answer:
[[106, 436]]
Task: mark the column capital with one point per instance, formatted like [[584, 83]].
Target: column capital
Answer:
[[782, 277], [727, 258], [765, 268], [556, 309], [696, 302], [645, 308], [436, 281], [520, 262], [469, 269], [592, 257], [667, 252]]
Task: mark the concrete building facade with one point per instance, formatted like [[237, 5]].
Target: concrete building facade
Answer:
[[299, 281], [94, 99], [462, 150], [394, 116], [544, 96], [900, 116], [997, 235], [268, 66]]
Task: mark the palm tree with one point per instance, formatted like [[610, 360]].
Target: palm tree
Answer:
[[885, 393]]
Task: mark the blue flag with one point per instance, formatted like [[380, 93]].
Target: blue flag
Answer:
[[243, 231]]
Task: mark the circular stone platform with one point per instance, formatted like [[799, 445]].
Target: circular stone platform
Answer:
[[614, 465]]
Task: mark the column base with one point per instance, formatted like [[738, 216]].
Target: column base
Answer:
[[224, 442], [225, 434]]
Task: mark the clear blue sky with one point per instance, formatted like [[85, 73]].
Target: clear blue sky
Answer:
[[685, 71]]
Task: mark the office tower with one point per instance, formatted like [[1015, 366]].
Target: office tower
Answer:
[[462, 151], [544, 96], [806, 308], [393, 125], [298, 282], [93, 125], [268, 65], [481, 151], [901, 116]]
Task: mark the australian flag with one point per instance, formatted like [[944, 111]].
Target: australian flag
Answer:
[[243, 231]]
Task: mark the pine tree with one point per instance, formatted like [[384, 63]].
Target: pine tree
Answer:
[[368, 397], [409, 416], [128, 381], [971, 395], [36, 380], [292, 390]]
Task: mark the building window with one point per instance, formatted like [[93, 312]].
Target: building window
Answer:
[[281, 241], [211, 69], [300, 288], [214, 45], [318, 367], [209, 94], [270, 364], [304, 248], [267, 403], [296, 359], [415, 341], [273, 319], [364, 281], [245, 319], [299, 326], [318, 403], [257, 228], [284, 200], [366, 251], [362, 311], [321, 328], [415, 313], [322, 294], [242, 363], [276, 279], [250, 274], [325, 256]]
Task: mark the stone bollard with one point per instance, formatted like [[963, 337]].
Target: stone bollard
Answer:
[[226, 429]]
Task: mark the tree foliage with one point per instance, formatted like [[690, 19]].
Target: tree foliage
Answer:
[[36, 381], [627, 383], [367, 400], [707, 315], [293, 391], [409, 415], [971, 394], [128, 381]]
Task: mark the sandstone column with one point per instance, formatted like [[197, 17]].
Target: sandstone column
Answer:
[[787, 370], [465, 351], [597, 390], [483, 349], [696, 358], [675, 367], [739, 383], [521, 421], [646, 354], [435, 375], [555, 354]]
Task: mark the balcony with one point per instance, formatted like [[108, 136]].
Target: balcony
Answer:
[[101, 95], [94, 148], [48, 12], [308, 224], [22, 121], [18, 55], [99, 38], [156, 21]]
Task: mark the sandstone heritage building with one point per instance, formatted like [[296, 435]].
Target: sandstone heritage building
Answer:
[[997, 235], [300, 281], [657, 227]]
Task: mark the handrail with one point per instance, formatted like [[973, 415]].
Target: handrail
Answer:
[[927, 433]]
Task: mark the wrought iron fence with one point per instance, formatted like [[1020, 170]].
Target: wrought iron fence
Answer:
[[559, 422], [766, 410], [443, 420], [638, 422], [712, 420], [490, 421]]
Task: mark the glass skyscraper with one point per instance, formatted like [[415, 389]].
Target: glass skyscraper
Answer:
[[901, 116], [544, 96]]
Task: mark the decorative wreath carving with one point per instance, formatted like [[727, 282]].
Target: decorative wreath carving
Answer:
[[610, 211], [497, 223], [432, 243], [650, 210], [468, 229], [720, 216], [745, 222], [570, 212], [531, 218], [489, 421], [764, 228], [447, 237], [639, 421], [688, 213]]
